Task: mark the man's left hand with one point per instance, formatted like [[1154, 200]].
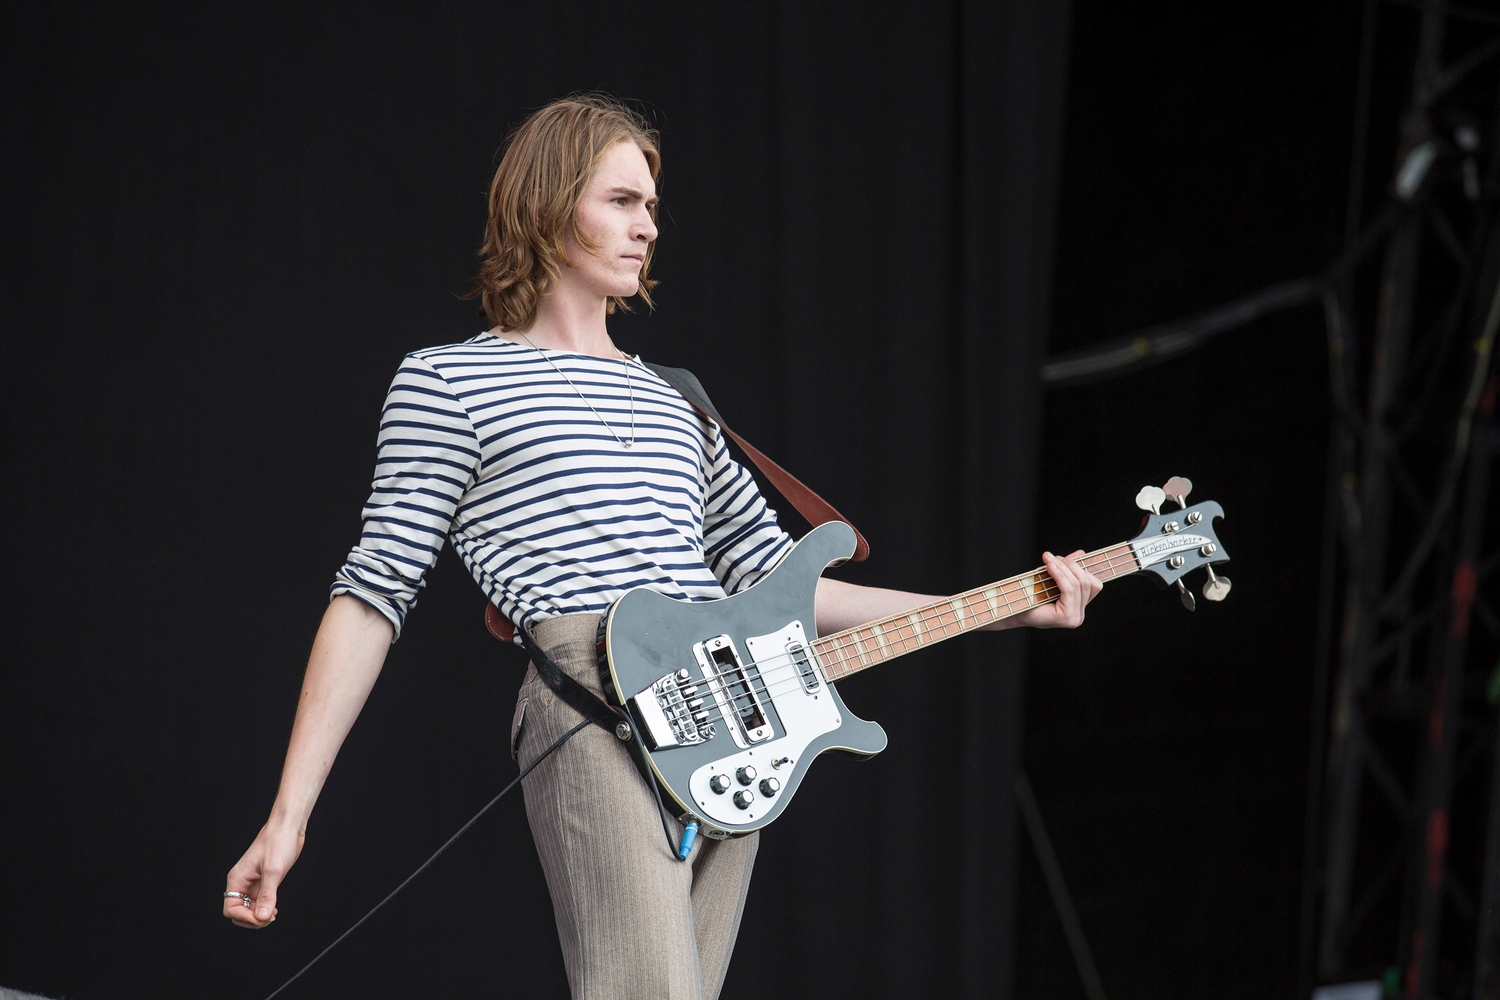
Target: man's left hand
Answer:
[[1076, 586]]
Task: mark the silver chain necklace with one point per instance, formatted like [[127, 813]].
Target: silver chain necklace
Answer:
[[629, 388]]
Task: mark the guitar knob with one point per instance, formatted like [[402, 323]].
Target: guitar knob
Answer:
[[1178, 488], [746, 774], [769, 787], [1186, 595], [1150, 498], [1217, 587], [719, 783], [744, 798]]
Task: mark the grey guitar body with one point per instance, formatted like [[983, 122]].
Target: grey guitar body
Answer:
[[729, 703], [726, 698]]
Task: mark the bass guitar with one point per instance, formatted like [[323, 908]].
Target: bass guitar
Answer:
[[733, 699]]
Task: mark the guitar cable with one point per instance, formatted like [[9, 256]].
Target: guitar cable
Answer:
[[438, 853], [577, 698]]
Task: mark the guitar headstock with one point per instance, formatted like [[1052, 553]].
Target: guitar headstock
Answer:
[[1173, 544]]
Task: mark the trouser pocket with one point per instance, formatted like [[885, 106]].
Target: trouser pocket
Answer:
[[515, 727]]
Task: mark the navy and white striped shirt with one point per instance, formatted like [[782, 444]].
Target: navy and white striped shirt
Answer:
[[484, 443]]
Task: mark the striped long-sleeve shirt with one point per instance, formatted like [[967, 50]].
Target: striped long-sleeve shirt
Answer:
[[486, 444]]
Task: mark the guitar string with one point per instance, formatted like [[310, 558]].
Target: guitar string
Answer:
[[779, 664], [850, 644], [841, 649], [850, 647], [853, 647], [853, 643], [849, 641], [772, 673]]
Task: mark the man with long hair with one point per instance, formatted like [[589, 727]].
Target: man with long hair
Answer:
[[564, 473]]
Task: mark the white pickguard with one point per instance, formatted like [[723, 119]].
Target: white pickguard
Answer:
[[804, 714]]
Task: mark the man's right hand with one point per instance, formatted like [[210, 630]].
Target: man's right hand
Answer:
[[259, 873], [346, 658]]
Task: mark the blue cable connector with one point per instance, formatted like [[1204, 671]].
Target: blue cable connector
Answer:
[[689, 834]]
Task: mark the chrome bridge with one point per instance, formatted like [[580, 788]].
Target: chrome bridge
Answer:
[[672, 713]]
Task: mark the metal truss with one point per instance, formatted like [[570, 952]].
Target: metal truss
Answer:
[[1402, 865], [1400, 737]]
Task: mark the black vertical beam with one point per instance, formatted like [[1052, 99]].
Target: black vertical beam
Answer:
[[1318, 744], [1342, 450], [1443, 720], [1367, 557], [1487, 941], [1436, 785], [1057, 887]]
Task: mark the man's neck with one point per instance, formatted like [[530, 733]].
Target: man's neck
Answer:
[[569, 322]]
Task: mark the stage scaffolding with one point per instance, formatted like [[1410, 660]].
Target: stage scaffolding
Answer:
[[1402, 862]]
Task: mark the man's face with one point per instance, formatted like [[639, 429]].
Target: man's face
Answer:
[[615, 214]]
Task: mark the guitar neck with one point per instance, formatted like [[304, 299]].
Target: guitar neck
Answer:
[[852, 650]]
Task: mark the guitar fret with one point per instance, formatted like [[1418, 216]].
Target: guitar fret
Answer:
[[860, 655], [856, 649], [843, 661], [834, 664], [855, 653]]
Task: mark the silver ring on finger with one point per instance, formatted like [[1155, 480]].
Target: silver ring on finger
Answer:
[[242, 897]]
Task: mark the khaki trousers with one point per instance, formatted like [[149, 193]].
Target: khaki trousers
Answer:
[[635, 923]]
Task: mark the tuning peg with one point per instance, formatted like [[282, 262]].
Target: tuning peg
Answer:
[[1150, 498], [1186, 595], [1178, 489], [1217, 587]]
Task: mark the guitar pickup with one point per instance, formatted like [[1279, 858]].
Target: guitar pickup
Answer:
[[670, 712], [733, 686], [805, 669]]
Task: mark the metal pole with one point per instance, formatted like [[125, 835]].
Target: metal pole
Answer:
[[1367, 557], [1487, 942], [1057, 886], [1318, 748], [1448, 678]]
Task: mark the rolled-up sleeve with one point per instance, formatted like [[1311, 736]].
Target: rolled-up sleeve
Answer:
[[741, 539], [427, 456]]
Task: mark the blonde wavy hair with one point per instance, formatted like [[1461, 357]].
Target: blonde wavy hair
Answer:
[[548, 163]]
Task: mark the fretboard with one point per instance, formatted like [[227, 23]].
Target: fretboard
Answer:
[[856, 649]]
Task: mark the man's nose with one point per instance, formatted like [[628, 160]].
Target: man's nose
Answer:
[[646, 230]]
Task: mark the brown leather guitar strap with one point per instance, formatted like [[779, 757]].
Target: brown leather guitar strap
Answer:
[[814, 508]]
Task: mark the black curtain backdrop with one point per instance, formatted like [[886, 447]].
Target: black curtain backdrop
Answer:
[[224, 228], [1206, 155]]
